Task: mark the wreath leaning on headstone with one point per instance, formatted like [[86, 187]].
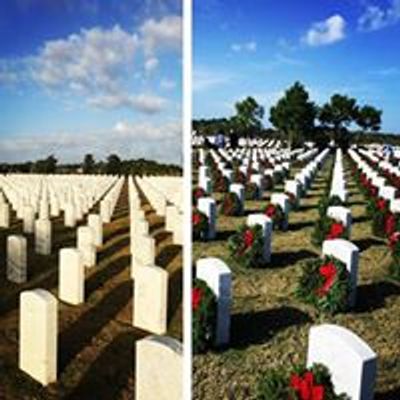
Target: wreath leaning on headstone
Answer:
[[327, 228], [246, 246], [199, 224], [298, 383], [394, 246], [325, 284], [231, 205], [275, 212], [204, 314]]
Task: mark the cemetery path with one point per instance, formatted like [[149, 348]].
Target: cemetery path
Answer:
[[96, 339], [269, 327]]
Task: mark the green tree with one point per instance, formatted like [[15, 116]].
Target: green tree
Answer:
[[248, 118], [294, 114], [337, 115], [113, 164], [369, 119], [88, 164]]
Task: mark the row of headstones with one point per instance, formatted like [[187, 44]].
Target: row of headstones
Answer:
[[40, 195], [350, 360], [159, 192], [158, 369], [199, 140], [385, 191], [338, 184], [150, 281]]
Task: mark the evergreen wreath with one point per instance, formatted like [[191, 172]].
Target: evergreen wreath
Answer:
[[251, 191], [394, 246], [298, 383], [231, 205], [197, 193], [246, 245], [199, 224], [204, 314], [325, 284], [275, 212], [327, 228]]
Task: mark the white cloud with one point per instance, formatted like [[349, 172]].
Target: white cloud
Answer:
[[247, 46], [165, 33], [146, 103], [205, 78], [151, 64], [167, 84], [91, 60], [326, 32], [375, 17], [159, 141]]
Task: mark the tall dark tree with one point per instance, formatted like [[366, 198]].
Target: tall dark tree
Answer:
[[337, 115], [113, 165], [248, 117], [369, 119], [294, 114], [88, 164]]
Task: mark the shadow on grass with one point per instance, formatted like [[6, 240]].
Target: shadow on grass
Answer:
[[393, 394], [111, 250], [280, 260], [163, 236], [99, 278], [81, 333], [373, 295], [259, 327], [110, 372], [364, 244], [360, 219], [166, 255], [224, 235], [175, 285], [307, 207], [116, 232], [296, 226]]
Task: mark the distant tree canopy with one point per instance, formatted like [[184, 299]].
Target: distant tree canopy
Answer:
[[294, 114], [296, 118], [113, 165]]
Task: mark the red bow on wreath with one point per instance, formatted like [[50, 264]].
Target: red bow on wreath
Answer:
[[197, 294], [248, 240], [381, 204], [270, 211], [337, 230], [328, 272], [394, 238], [196, 218], [390, 223], [305, 387]]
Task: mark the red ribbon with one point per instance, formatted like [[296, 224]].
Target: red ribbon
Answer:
[[328, 272], [390, 223], [197, 295], [305, 387], [270, 211], [337, 230]]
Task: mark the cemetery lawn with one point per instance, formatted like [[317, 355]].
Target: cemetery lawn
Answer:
[[269, 327], [96, 339]]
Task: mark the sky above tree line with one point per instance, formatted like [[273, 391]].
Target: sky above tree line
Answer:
[[90, 76], [260, 48]]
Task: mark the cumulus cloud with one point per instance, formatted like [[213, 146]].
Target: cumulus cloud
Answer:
[[246, 46], [89, 61], [326, 32], [375, 18], [151, 64], [165, 33]]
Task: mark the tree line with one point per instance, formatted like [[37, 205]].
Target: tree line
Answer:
[[296, 118], [113, 164]]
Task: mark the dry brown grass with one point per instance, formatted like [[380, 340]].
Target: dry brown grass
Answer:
[[270, 327], [96, 339]]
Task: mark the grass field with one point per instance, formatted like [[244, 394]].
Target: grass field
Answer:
[[96, 340], [270, 327]]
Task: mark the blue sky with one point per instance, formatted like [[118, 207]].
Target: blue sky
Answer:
[[261, 47], [79, 76]]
